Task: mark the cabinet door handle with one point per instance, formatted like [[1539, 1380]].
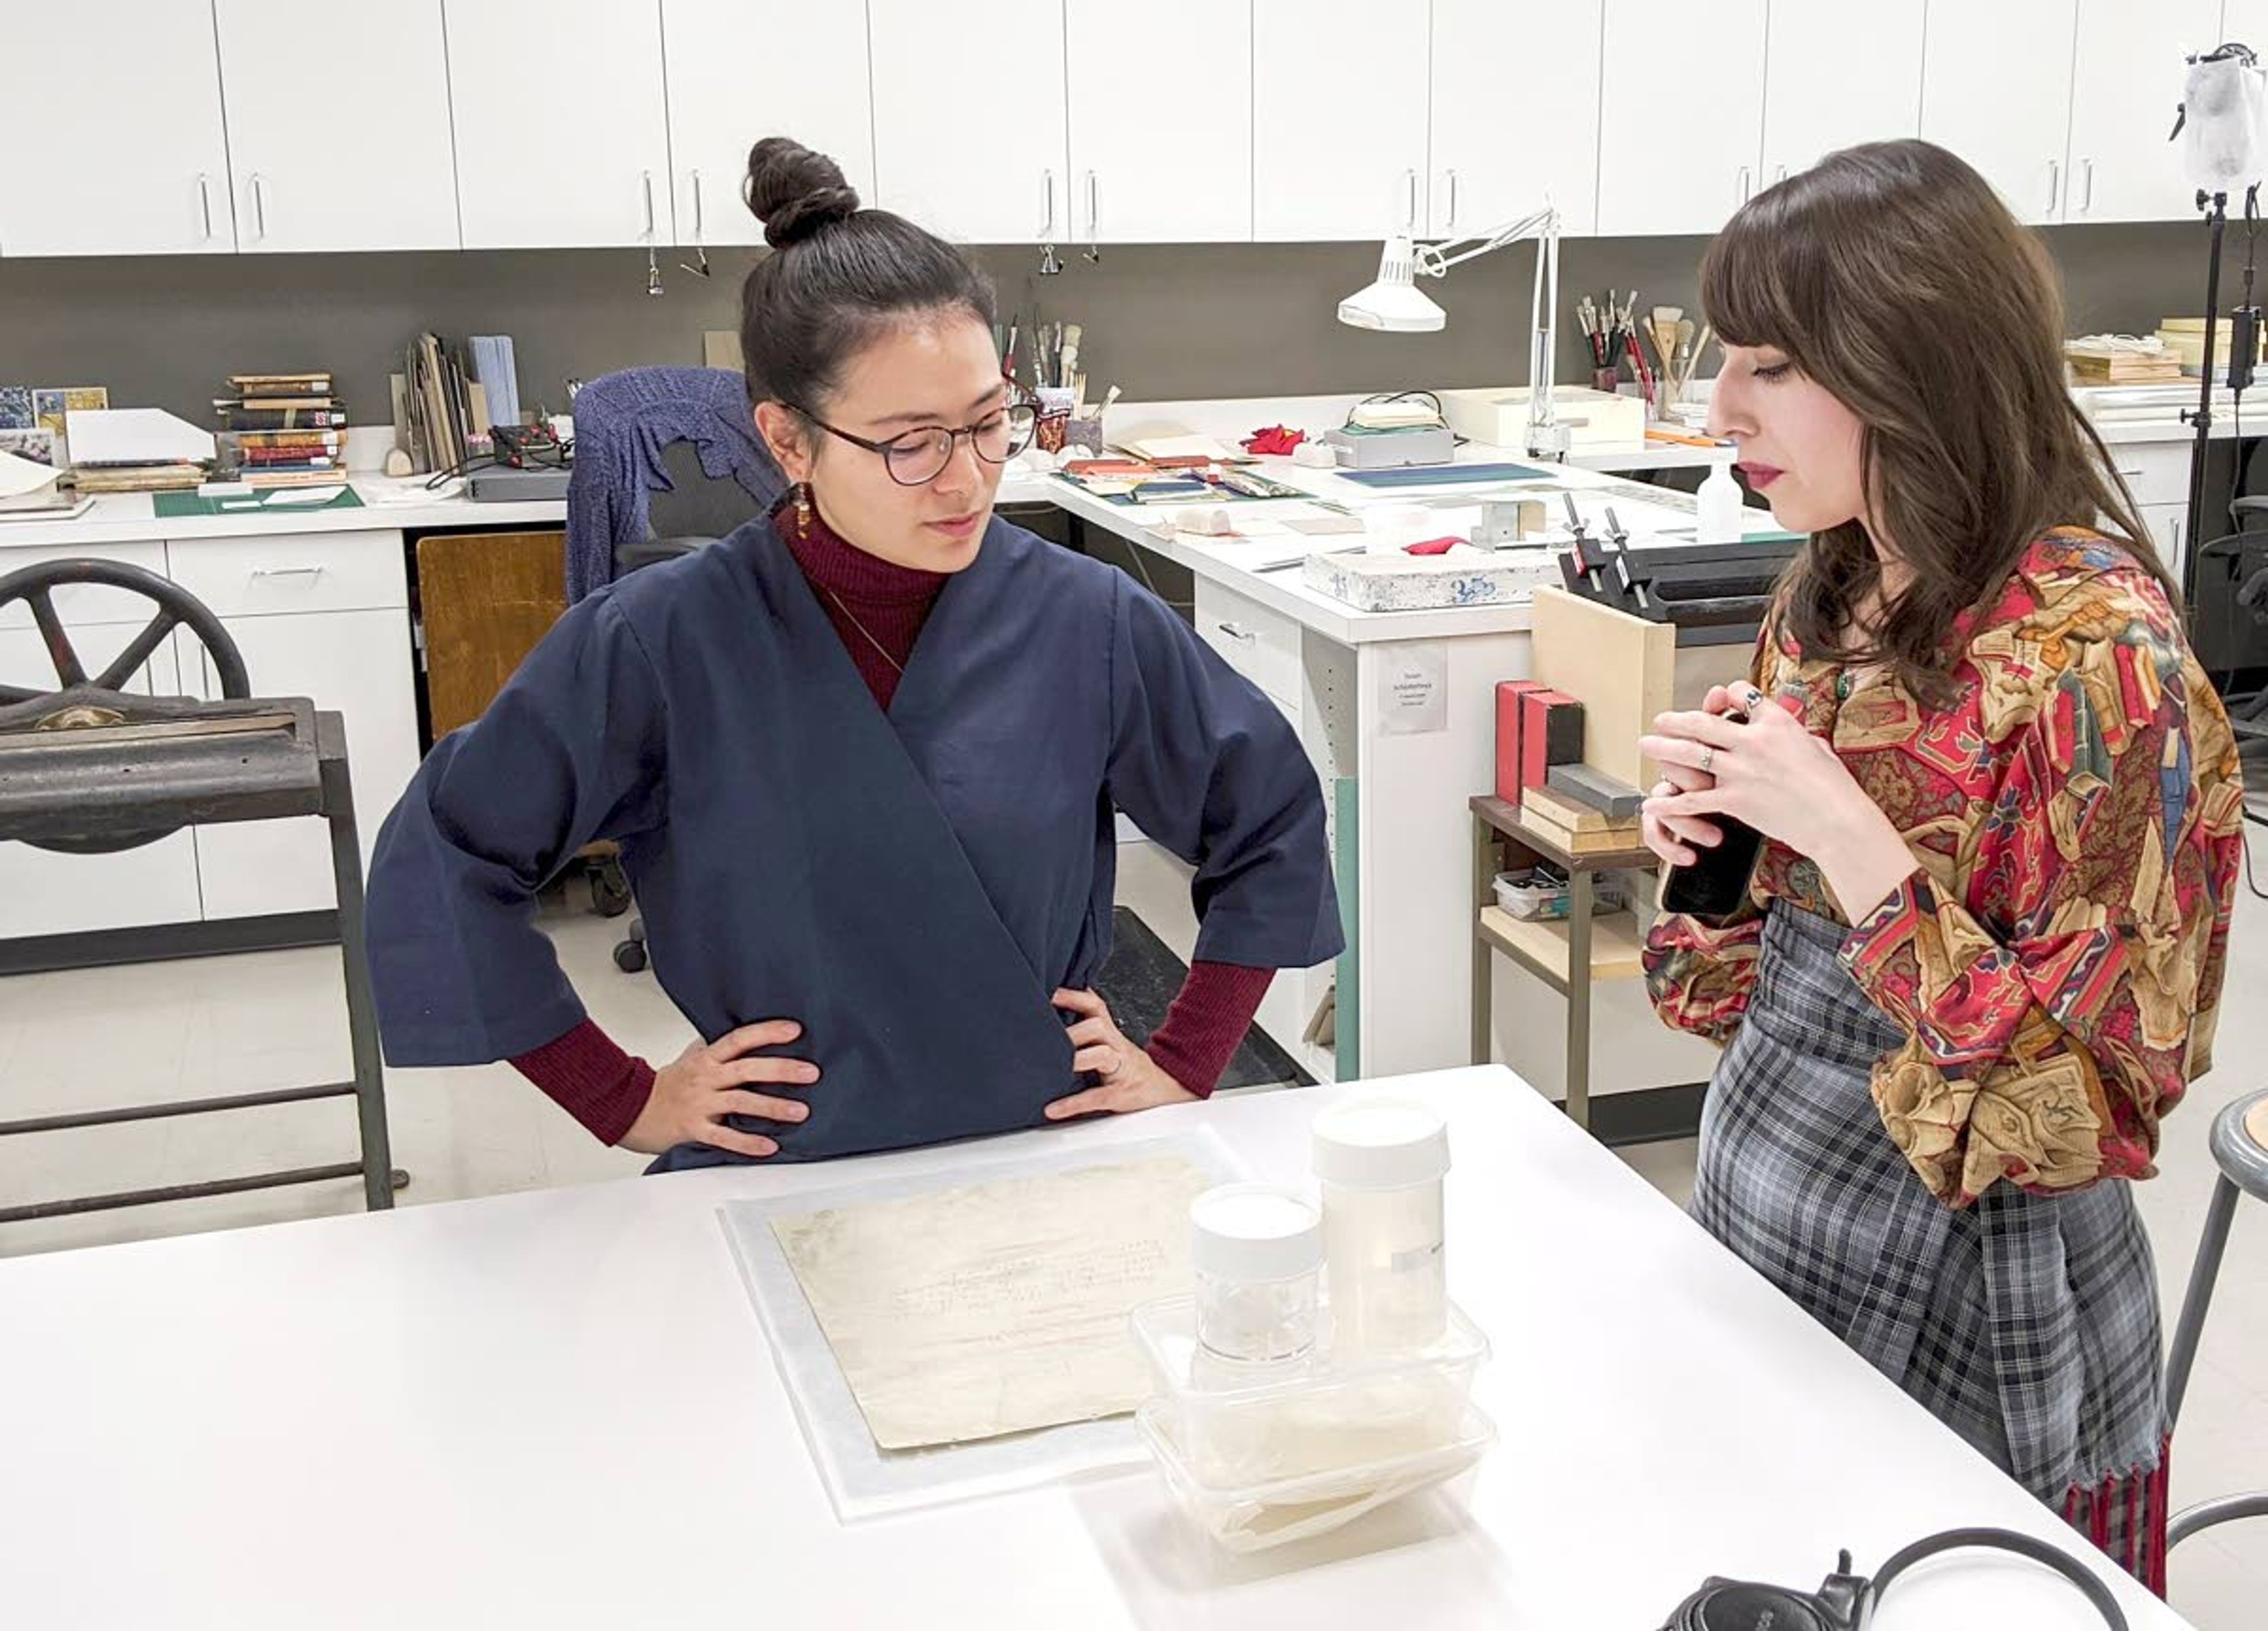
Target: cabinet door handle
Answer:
[[259, 205], [2087, 184], [2055, 183], [699, 215], [1410, 206], [1780, 174], [645, 179], [1046, 205], [1748, 182], [1449, 178], [204, 202], [287, 571], [1244, 636], [1094, 210]]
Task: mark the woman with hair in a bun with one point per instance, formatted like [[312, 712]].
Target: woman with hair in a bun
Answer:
[[862, 758]]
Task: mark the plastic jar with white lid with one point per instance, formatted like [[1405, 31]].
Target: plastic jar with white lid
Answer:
[[1382, 1162], [1258, 1256]]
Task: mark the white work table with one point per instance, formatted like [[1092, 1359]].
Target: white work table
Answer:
[[559, 1409]]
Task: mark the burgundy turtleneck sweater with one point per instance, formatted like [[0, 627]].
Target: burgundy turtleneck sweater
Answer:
[[878, 608]]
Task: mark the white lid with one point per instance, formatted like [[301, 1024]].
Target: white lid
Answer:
[[1381, 1143], [1252, 1232]]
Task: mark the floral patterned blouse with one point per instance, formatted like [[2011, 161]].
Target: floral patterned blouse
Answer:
[[2076, 819]]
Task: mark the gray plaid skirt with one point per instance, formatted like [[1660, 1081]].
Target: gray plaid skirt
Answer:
[[2028, 1324]]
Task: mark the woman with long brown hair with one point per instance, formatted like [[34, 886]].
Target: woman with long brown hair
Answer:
[[1982, 947]]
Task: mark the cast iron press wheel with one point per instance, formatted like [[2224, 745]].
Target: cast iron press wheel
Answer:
[[79, 700]]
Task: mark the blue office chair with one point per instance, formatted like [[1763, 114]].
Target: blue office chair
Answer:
[[666, 461], [644, 433]]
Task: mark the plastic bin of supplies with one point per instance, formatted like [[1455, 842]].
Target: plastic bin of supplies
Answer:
[[1536, 894]]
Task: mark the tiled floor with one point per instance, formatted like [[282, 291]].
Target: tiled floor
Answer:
[[219, 1025]]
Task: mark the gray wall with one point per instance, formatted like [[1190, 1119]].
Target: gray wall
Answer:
[[1162, 322]]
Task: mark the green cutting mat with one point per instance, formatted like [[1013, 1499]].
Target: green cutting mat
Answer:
[[179, 506]]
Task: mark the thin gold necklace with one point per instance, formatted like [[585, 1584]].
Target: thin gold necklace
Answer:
[[869, 632]]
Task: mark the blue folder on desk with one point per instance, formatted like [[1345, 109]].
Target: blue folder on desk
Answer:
[[1445, 475]]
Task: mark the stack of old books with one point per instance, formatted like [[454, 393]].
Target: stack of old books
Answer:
[[282, 429]]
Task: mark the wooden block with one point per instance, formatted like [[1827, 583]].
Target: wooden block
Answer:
[[720, 348], [1577, 843], [1580, 819], [1551, 733], [1622, 668], [1508, 693], [1584, 786]]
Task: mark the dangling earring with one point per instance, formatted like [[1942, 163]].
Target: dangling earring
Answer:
[[803, 512]]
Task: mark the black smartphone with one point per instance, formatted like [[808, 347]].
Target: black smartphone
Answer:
[[1715, 885]]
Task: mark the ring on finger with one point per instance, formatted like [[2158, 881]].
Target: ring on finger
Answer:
[[1708, 759]]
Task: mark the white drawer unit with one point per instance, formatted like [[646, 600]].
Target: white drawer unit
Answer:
[[292, 572], [2156, 473], [355, 664], [1261, 644], [86, 605]]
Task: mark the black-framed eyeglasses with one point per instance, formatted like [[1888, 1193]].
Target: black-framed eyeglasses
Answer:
[[914, 457]]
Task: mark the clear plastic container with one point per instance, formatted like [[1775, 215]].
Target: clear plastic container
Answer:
[[1382, 1162], [1537, 894], [1257, 1256], [1252, 1516], [1341, 1409]]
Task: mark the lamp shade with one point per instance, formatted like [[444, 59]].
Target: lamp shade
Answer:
[[1393, 303]]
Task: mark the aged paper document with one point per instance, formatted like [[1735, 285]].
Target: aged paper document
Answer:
[[999, 1307]]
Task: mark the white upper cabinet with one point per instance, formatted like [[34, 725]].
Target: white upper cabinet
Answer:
[[1160, 121], [1996, 89], [1678, 163], [1491, 166], [561, 130], [2126, 80], [323, 159], [719, 109], [1836, 75], [120, 148], [968, 121], [1338, 103]]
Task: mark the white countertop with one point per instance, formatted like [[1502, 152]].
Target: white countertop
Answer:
[[558, 1408], [1237, 564], [389, 505]]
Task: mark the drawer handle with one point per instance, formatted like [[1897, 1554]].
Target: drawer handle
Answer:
[[287, 571], [1243, 635]]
